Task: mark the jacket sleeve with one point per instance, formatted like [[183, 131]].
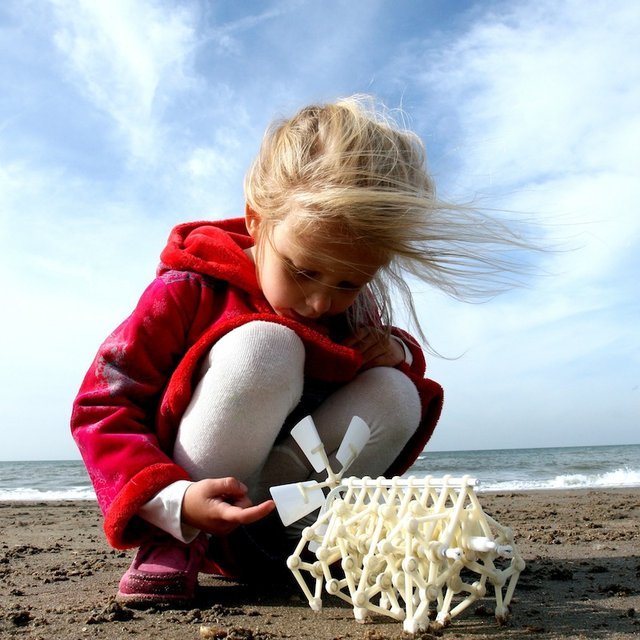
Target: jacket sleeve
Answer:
[[114, 412], [431, 399]]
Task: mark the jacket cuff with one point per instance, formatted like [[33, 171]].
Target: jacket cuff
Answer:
[[164, 511], [408, 356], [121, 526]]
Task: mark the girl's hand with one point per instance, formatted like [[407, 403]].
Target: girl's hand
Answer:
[[219, 505], [376, 349]]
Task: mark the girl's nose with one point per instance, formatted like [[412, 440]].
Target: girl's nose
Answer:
[[319, 301]]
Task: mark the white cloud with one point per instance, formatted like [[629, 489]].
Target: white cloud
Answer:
[[127, 58], [75, 264], [543, 99], [541, 85]]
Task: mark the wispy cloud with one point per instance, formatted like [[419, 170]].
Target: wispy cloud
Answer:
[[127, 59], [544, 99], [541, 103], [542, 85]]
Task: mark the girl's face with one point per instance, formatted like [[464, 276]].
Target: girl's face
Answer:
[[307, 280]]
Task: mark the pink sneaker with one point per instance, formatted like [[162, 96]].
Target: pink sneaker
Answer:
[[164, 571]]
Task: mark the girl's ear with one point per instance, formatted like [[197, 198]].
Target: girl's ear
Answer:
[[252, 221]]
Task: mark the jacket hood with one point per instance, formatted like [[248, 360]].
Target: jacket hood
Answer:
[[213, 249]]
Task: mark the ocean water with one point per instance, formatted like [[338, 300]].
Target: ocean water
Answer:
[[45, 480], [495, 470], [531, 469]]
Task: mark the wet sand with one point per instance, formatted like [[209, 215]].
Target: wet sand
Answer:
[[582, 548]]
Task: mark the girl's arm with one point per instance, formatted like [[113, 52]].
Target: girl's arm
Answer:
[[114, 413]]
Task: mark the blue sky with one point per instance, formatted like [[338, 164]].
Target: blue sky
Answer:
[[120, 119]]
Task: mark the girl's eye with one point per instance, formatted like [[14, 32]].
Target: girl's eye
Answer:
[[308, 274], [300, 274], [305, 274], [350, 286]]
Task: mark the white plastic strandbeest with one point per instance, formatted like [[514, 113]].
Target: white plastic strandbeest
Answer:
[[404, 548]]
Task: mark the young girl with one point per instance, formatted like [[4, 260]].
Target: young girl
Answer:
[[183, 419]]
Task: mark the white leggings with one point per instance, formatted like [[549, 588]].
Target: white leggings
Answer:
[[251, 380]]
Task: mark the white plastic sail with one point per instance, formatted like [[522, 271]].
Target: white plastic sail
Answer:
[[294, 501], [307, 437], [353, 443]]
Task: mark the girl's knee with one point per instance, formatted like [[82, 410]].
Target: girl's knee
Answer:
[[388, 382], [250, 381], [263, 352], [394, 397]]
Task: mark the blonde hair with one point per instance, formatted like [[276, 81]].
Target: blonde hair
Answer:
[[348, 173]]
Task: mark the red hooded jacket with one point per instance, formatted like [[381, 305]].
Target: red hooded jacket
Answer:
[[127, 412]]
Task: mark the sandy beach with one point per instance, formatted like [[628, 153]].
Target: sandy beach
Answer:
[[582, 548]]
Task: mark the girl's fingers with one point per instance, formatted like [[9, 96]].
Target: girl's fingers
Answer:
[[236, 515]]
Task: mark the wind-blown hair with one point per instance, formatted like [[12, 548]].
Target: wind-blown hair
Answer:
[[346, 173]]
